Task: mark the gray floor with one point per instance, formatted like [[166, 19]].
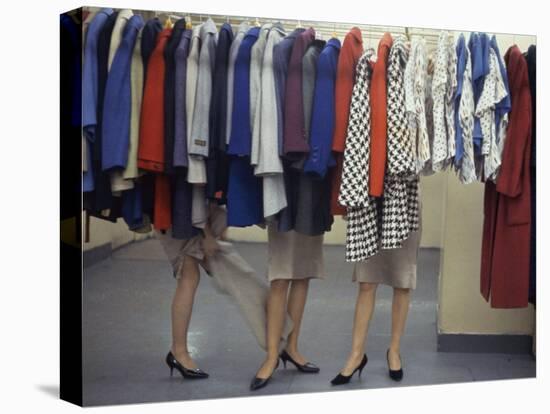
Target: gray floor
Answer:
[[127, 334]]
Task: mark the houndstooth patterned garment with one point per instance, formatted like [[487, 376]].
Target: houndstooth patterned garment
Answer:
[[362, 224], [385, 222]]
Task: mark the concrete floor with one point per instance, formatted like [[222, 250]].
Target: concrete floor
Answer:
[[127, 334]]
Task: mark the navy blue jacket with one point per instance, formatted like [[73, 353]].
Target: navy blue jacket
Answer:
[[217, 165], [169, 93], [118, 100], [149, 36], [244, 192]]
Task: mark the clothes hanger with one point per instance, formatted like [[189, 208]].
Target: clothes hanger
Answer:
[[257, 23], [334, 31], [188, 22], [168, 23], [299, 25]]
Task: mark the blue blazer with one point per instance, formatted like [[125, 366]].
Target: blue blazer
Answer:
[[322, 118], [117, 101]]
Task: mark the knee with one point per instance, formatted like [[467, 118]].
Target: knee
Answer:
[[365, 287], [189, 270]]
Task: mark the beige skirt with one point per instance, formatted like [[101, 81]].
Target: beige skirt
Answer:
[[392, 267], [292, 255]]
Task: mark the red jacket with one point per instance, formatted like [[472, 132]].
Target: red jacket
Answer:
[[151, 132], [379, 122], [507, 205], [350, 53]]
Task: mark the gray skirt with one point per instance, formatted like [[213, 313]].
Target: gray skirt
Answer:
[[292, 255], [392, 267]]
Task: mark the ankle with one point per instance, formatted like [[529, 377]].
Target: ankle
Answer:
[[356, 354], [394, 349], [179, 351]]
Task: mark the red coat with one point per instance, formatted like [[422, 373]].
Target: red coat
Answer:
[[507, 205], [350, 53], [151, 133]]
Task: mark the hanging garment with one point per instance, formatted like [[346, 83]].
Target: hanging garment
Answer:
[[323, 118], [256, 59], [169, 93], [281, 59], [200, 129], [180, 116], [449, 99], [239, 36], [100, 203], [217, 164], [507, 211], [493, 92], [362, 231], [117, 104], [345, 78], [415, 92], [378, 99], [85, 155], [244, 195], [503, 107], [313, 216], [90, 92], [268, 127], [479, 52], [151, 138], [294, 145], [531, 57], [439, 94], [151, 30], [118, 183], [182, 191], [464, 159], [136, 96], [400, 209]]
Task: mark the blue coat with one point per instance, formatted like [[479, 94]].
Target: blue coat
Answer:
[[461, 65], [322, 119], [479, 50], [244, 193], [117, 101]]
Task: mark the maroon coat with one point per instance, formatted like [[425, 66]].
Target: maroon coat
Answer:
[[506, 227]]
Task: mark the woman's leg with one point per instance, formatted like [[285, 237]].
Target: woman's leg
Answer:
[[276, 308], [364, 308], [182, 307], [296, 304], [400, 309]]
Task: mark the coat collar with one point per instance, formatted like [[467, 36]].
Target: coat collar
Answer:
[[355, 33]]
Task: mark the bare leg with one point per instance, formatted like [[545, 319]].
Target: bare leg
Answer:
[[276, 308], [400, 309], [182, 307], [364, 309], [296, 304]]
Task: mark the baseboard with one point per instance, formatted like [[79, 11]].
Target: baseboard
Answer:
[[96, 254], [479, 343]]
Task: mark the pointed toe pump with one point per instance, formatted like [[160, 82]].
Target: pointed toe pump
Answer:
[[258, 383], [344, 379], [395, 374], [307, 368], [188, 373]]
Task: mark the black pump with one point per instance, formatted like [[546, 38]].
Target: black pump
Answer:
[[344, 379], [307, 368], [172, 363], [258, 383], [395, 374]]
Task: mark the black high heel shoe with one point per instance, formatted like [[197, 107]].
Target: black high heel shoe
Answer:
[[258, 383], [307, 368], [172, 363], [395, 374], [344, 379]]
